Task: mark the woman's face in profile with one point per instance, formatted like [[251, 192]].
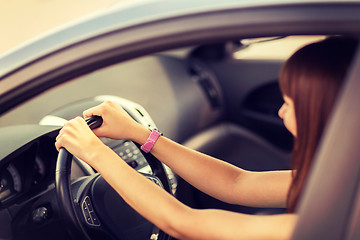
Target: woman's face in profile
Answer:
[[287, 114]]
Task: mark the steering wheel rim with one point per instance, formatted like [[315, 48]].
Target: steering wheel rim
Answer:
[[65, 196]]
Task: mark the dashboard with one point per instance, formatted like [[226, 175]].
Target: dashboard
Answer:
[[27, 185], [28, 171], [10, 182]]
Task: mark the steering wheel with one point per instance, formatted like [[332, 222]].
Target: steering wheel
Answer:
[[92, 209]]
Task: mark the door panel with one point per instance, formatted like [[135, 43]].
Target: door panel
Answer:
[[251, 136], [253, 97]]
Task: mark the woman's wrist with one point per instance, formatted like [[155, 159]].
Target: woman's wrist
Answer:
[[140, 134], [100, 154]]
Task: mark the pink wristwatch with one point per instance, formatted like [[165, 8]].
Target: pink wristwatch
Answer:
[[148, 145]]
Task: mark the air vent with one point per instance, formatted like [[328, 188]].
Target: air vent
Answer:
[[204, 79]]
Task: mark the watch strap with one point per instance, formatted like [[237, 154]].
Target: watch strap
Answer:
[[150, 142]]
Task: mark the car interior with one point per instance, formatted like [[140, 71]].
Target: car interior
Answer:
[[219, 98]]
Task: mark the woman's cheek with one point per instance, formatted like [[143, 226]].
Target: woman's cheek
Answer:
[[290, 125]]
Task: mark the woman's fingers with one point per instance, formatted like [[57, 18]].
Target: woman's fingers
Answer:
[[90, 112], [98, 110], [70, 129], [117, 123]]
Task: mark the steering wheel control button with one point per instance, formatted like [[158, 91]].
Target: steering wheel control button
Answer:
[[94, 219], [88, 204], [88, 212]]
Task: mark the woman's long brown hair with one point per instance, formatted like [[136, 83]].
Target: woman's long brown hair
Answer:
[[312, 78]]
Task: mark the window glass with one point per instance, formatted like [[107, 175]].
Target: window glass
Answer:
[[277, 48]]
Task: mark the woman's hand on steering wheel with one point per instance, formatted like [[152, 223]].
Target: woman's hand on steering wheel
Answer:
[[79, 140], [117, 123]]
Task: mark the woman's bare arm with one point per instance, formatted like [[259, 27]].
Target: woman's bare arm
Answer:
[[212, 176], [220, 179], [161, 208], [183, 222]]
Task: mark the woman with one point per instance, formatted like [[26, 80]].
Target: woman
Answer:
[[310, 81], [312, 78]]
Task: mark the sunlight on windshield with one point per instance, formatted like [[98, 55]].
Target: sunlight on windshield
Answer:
[[277, 49]]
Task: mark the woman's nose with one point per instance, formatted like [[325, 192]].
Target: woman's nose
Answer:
[[281, 111]]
